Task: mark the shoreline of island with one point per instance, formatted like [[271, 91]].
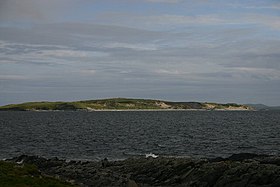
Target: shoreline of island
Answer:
[[137, 110]]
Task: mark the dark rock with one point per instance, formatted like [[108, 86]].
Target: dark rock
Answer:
[[217, 159], [270, 160], [243, 156], [105, 162], [238, 170]]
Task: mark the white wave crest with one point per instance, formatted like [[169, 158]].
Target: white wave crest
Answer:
[[151, 155]]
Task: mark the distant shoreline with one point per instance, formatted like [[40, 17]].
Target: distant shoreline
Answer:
[[125, 104], [131, 110]]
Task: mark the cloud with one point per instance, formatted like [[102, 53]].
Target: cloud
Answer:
[[183, 20], [20, 9], [177, 22], [168, 72], [34, 11], [37, 11], [273, 5], [266, 20], [134, 46], [12, 77], [159, 22], [87, 72], [70, 54], [204, 56], [164, 1], [257, 73], [44, 54]]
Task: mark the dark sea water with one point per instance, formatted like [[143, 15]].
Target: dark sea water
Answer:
[[118, 135]]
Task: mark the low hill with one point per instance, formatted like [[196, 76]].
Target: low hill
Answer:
[[263, 107], [123, 104]]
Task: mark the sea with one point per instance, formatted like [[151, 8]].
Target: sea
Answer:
[[117, 135]]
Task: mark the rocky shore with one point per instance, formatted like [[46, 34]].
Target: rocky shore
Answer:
[[238, 170]]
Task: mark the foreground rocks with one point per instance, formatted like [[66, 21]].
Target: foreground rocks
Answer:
[[238, 170]]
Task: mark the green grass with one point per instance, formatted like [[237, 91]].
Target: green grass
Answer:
[[13, 175], [122, 103]]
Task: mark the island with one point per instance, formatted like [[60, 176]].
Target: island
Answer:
[[122, 104]]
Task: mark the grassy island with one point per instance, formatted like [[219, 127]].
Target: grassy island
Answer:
[[123, 104]]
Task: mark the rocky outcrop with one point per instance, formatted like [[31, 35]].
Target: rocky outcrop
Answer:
[[237, 170]]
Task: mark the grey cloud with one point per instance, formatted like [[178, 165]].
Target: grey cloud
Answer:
[[35, 11], [266, 20], [254, 60], [73, 34], [158, 22], [164, 1], [20, 9], [110, 61], [178, 21], [12, 77], [154, 52], [257, 5]]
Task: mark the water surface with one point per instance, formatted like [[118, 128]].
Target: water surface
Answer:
[[118, 135]]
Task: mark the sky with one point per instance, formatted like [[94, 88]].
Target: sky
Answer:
[[176, 50]]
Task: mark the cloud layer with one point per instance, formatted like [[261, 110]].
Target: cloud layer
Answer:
[[201, 54]]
